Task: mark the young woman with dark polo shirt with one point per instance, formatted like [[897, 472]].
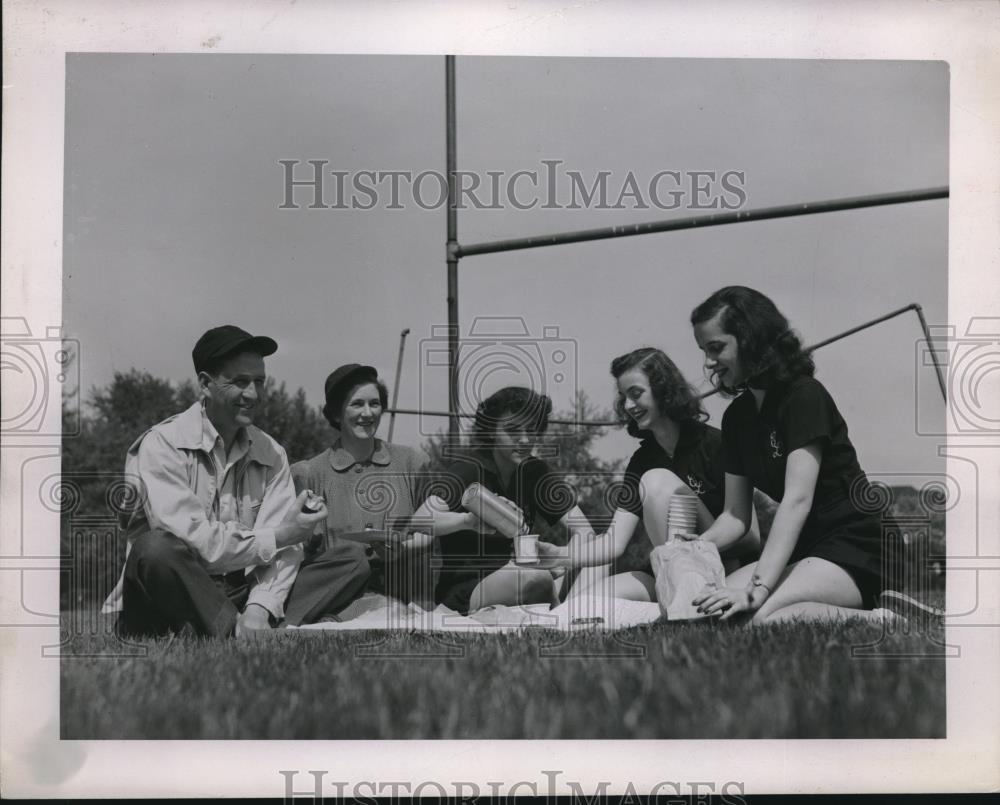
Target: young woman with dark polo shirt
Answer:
[[784, 435], [678, 454], [476, 563]]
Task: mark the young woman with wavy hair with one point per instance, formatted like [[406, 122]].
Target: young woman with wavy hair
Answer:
[[784, 435], [679, 454]]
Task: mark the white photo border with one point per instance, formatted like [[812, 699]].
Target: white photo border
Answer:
[[38, 36]]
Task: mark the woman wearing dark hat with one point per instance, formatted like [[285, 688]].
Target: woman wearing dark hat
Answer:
[[368, 485]]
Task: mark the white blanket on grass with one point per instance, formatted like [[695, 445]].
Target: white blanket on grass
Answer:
[[377, 612]]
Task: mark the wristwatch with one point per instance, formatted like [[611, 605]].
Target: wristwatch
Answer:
[[756, 582]]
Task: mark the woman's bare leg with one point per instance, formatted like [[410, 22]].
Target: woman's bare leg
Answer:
[[514, 586], [814, 611], [811, 588], [633, 585]]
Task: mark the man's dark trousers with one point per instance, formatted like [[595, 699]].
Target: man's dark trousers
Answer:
[[166, 588]]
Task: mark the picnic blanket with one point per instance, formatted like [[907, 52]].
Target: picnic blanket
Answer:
[[377, 612]]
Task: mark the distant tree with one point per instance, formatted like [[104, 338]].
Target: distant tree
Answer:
[[114, 416], [299, 427], [592, 477], [187, 393]]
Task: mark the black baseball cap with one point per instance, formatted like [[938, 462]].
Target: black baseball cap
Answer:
[[227, 339], [348, 373]]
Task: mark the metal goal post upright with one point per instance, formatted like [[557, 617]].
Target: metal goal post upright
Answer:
[[455, 251]]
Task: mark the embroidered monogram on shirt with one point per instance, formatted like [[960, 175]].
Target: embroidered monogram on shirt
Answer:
[[696, 484], [775, 445]]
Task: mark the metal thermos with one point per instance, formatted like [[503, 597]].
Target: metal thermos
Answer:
[[493, 511]]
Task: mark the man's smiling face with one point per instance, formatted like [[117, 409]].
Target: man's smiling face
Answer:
[[234, 391]]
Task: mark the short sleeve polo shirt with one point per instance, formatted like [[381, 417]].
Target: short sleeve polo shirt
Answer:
[[756, 444], [697, 461]]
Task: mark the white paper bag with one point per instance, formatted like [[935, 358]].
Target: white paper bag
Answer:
[[682, 569]]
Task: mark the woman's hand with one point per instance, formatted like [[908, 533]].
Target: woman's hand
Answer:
[[551, 556], [725, 601], [416, 541], [474, 523]]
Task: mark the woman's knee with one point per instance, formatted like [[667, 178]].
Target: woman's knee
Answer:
[[660, 482], [657, 487], [535, 585], [355, 552], [344, 552]]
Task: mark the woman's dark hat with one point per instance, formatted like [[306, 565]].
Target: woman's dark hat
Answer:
[[227, 339], [349, 373]]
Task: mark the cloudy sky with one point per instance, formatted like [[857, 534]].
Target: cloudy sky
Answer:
[[173, 221]]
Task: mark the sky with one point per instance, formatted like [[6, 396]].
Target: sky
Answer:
[[173, 221]]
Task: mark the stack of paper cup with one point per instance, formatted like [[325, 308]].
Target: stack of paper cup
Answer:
[[682, 516]]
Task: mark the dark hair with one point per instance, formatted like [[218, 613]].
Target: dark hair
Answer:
[[674, 396], [335, 402], [769, 351], [510, 405]]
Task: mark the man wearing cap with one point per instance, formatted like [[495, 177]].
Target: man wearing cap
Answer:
[[214, 540]]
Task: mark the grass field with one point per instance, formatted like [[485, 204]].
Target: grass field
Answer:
[[680, 681]]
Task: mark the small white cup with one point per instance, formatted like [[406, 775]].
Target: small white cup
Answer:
[[526, 549]]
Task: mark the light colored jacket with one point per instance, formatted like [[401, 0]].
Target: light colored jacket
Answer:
[[177, 482]]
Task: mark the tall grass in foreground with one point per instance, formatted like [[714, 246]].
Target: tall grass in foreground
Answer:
[[683, 681]]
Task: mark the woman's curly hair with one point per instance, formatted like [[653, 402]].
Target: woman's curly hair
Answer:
[[511, 405], [674, 396], [769, 351]]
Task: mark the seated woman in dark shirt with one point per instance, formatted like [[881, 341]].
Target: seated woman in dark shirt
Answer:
[[679, 455], [476, 566], [784, 435]]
